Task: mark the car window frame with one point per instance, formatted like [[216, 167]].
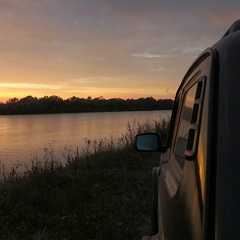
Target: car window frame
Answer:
[[181, 98]]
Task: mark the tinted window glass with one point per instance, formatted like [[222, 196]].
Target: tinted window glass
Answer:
[[184, 124]]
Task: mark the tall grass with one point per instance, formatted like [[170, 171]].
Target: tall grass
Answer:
[[99, 191]]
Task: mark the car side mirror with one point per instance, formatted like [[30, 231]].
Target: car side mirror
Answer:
[[148, 142]]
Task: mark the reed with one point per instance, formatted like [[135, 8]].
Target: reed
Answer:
[[100, 191]]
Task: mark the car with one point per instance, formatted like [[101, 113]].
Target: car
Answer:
[[196, 187]]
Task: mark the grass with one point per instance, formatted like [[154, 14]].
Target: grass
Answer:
[[103, 191]]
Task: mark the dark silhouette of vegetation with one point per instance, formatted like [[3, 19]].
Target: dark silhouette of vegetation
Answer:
[[55, 104], [102, 192]]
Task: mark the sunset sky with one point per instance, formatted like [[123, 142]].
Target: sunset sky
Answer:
[[109, 48]]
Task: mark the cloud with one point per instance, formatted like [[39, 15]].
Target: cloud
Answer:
[[157, 69], [30, 86], [105, 44], [149, 55]]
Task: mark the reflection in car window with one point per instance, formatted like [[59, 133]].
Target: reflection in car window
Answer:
[[183, 129]]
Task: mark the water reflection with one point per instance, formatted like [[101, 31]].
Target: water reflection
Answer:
[[25, 135]]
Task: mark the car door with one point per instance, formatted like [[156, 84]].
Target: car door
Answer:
[[182, 182]]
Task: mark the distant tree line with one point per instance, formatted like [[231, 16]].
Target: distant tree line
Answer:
[[55, 104]]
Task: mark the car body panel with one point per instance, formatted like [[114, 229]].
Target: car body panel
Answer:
[[181, 189], [227, 219]]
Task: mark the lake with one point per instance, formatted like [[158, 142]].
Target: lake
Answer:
[[25, 137]]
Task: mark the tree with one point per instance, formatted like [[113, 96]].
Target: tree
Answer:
[[12, 100]]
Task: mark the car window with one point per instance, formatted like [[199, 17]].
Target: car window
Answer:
[[187, 116]]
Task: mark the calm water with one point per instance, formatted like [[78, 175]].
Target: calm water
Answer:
[[26, 136]]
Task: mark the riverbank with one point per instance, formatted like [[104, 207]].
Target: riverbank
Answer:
[[104, 192]]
